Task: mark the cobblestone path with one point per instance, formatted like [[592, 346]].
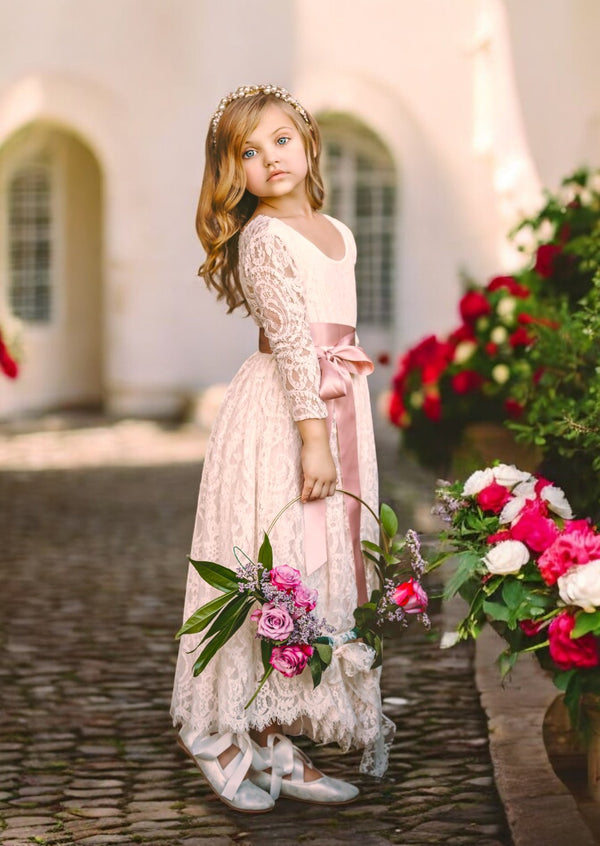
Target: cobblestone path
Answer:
[[92, 580]]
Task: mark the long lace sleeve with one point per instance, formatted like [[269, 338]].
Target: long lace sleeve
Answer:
[[276, 299]]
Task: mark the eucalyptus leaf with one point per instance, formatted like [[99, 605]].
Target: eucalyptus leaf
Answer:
[[316, 668], [325, 652]]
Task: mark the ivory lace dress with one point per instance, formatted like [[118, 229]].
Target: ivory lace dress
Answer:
[[252, 468]]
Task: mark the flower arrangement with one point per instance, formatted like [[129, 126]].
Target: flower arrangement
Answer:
[[529, 568], [477, 372], [291, 635]]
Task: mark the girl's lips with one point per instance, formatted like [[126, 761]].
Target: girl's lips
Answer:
[[276, 173]]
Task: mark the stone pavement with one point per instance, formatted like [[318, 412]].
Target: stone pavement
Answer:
[[92, 570]]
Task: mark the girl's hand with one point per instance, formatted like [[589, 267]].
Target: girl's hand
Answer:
[[318, 466]]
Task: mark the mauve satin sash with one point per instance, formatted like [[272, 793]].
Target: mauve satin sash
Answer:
[[339, 357]]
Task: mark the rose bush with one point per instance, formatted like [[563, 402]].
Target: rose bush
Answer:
[[530, 569], [484, 370]]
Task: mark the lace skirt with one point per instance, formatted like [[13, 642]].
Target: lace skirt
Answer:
[[252, 468]]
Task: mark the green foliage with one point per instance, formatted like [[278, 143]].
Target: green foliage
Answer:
[[562, 409]]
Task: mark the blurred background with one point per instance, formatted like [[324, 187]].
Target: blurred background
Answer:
[[442, 121]]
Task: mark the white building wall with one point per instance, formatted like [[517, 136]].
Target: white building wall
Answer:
[[137, 80]]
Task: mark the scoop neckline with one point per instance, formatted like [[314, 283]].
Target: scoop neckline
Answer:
[[312, 243]]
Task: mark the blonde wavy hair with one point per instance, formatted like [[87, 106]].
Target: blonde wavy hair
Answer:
[[225, 205]]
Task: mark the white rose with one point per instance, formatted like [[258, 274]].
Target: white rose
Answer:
[[506, 307], [501, 373], [580, 585], [513, 508], [557, 501], [509, 475], [464, 351], [498, 335], [477, 481], [506, 557], [526, 489]]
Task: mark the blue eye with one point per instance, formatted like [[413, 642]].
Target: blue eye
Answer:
[[283, 140], [249, 154]]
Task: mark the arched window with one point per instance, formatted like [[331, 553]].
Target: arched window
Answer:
[[29, 217], [361, 190]]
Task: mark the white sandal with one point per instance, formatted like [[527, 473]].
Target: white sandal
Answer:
[[229, 782], [284, 759]]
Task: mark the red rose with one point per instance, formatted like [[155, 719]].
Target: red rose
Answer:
[[545, 259], [571, 653], [7, 363], [513, 408], [465, 381], [432, 407], [511, 285], [491, 348], [493, 498], [463, 333], [535, 530], [473, 305], [520, 338], [397, 412], [530, 627], [571, 547], [502, 535], [524, 319]]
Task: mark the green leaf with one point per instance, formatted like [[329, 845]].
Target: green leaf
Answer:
[[221, 638], [513, 593], [228, 613], [316, 668], [506, 661], [372, 546], [216, 575], [497, 611], [562, 679], [467, 567], [265, 553], [202, 617], [266, 650], [325, 653], [389, 521], [585, 623]]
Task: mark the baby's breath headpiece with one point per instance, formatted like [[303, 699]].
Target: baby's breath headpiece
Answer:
[[251, 90]]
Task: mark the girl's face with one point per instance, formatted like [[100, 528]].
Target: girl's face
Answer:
[[274, 158]]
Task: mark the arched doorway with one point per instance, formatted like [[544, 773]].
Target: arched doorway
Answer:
[[51, 268], [361, 190]]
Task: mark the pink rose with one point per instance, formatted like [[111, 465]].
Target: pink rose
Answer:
[[290, 660], [575, 546], [411, 596], [493, 498], [274, 622], [569, 653], [533, 528], [285, 578], [305, 598]]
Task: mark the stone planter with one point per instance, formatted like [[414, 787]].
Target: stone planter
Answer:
[[484, 443]]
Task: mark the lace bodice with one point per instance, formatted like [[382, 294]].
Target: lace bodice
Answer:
[[290, 283]]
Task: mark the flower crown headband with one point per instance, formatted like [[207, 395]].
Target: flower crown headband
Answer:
[[249, 91]]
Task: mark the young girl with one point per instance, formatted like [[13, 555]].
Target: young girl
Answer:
[[295, 420]]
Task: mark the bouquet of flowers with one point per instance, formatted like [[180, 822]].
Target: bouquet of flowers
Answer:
[[292, 637], [530, 569], [482, 370]]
